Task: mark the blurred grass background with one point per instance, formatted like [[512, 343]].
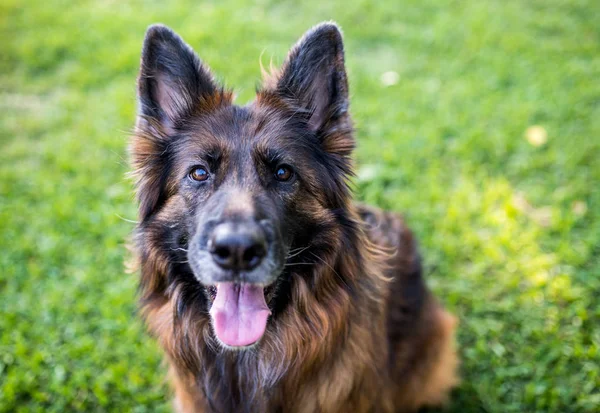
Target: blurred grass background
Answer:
[[480, 120]]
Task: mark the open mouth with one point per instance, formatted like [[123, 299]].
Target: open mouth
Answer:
[[239, 313]]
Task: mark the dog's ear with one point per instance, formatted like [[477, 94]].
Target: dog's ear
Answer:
[[172, 82], [313, 79], [172, 85]]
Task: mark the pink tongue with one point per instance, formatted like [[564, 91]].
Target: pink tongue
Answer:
[[239, 314]]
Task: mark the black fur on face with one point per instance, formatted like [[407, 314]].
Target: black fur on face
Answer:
[[188, 127]]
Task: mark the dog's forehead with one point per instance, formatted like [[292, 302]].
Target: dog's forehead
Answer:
[[245, 128]]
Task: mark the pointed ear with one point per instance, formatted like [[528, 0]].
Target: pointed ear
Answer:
[[172, 81], [172, 85], [313, 77]]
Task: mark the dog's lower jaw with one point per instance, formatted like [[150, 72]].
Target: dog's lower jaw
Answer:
[[237, 349]]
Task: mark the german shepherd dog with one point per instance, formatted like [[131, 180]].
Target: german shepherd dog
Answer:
[[268, 288]]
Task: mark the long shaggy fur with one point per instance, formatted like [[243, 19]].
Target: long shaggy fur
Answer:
[[354, 328]]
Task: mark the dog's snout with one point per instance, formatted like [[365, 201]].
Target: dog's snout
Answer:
[[238, 246]]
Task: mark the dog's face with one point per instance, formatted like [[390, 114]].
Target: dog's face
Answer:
[[242, 193]]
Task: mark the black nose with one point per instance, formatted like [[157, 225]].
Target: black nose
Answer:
[[238, 246]]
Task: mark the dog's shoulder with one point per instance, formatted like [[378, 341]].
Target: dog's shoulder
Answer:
[[407, 290]]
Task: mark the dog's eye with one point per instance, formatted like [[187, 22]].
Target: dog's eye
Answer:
[[283, 173], [199, 173]]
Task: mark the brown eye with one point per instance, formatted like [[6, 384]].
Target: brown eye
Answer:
[[198, 173], [283, 173]]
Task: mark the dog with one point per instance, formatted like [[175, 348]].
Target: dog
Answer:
[[267, 286]]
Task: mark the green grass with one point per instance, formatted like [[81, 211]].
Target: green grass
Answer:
[[510, 230]]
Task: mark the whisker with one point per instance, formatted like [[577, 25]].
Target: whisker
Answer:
[[298, 263], [332, 269], [296, 251], [127, 220], [179, 249]]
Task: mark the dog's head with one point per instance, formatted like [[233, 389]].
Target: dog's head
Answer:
[[230, 196]]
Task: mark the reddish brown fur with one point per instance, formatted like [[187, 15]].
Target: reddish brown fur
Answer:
[[360, 333]]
